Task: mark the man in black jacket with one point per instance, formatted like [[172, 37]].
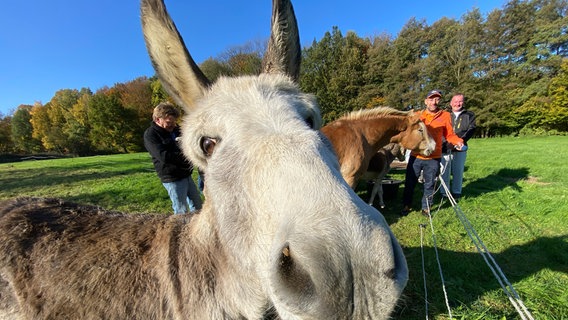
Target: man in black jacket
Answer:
[[453, 160], [173, 169]]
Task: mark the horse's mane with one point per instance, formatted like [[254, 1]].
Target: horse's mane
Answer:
[[373, 113]]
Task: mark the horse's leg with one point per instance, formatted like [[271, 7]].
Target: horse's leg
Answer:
[[377, 182], [379, 187]]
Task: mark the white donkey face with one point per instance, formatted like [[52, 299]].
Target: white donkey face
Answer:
[[274, 193]]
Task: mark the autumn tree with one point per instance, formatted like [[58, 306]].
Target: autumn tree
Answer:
[[403, 83], [111, 126], [41, 124], [136, 99], [77, 127], [333, 70], [6, 143], [22, 131], [214, 69], [379, 57]]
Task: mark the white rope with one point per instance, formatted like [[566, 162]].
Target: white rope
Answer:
[[437, 259], [435, 245], [510, 291], [491, 263], [422, 226]]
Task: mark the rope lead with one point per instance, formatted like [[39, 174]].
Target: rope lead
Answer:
[[491, 263]]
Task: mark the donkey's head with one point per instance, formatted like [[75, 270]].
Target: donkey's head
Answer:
[[295, 237]]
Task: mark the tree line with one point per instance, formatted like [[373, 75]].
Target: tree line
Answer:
[[512, 67]]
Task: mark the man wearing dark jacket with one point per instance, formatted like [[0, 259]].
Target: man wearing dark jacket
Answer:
[[453, 161], [173, 169]]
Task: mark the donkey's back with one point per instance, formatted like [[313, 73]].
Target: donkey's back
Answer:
[[70, 261]]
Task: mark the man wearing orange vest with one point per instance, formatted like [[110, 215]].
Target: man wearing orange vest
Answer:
[[439, 125]]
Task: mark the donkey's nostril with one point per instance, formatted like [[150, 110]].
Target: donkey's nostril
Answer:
[[391, 274], [292, 274], [286, 262]]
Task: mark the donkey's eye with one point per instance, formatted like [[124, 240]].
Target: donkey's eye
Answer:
[[207, 145], [310, 122]]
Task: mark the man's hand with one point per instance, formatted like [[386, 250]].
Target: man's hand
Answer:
[[461, 147]]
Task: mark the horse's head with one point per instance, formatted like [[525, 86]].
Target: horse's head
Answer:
[[293, 235], [416, 136]]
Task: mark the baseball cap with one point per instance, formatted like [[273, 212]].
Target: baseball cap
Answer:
[[434, 93]]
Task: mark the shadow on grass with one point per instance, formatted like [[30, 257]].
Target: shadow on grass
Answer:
[[467, 276], [496, 181], [23, 179], [149, 198], [492, 183]]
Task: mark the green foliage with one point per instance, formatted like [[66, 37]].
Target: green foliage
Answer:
[[22, 131], [245, 64], [504, 66], [333, 70], [158, 92], [214, 69], [510, 65], [111, 126], [556, 113], [6, 143], [136, 98]]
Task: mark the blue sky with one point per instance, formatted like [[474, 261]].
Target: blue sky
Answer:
[[50, 45]]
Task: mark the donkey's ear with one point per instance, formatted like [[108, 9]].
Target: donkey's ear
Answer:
[[283, 53], [179, 74]]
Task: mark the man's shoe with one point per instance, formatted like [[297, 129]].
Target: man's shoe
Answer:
[[426, 212], [405, 211]]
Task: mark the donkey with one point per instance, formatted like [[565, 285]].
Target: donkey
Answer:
[[280, 235], [379, 166]]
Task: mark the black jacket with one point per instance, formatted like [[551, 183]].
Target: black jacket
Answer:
[[169, 162], [464, 127]]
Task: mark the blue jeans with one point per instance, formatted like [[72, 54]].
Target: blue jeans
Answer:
[[184, 195], [456, 161], [430, 170]]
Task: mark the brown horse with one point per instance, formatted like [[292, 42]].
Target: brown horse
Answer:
[[357, 136]]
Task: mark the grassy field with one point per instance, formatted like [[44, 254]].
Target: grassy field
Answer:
[[515, 195]]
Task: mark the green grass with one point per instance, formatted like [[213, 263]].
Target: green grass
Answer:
[[124, 182], [515, 195]]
